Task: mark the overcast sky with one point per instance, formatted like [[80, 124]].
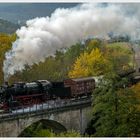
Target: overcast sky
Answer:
[[23, 11]]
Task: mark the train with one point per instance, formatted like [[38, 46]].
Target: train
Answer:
[[23, 94]]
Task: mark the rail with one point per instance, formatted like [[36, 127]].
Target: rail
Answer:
[[46, 107]]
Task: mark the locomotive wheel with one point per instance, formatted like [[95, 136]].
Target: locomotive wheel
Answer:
[[36, 101], [25, 102], [5, 107]]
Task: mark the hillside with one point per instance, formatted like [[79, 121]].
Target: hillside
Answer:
[[20, 12], [7, 27]]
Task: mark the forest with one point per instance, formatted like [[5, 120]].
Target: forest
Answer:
[[93, 58], [115, 108]]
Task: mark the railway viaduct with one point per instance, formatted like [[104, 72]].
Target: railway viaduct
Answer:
[[75, 115]]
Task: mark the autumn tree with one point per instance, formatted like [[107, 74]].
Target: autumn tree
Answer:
[[93, 58], [88, 64], [98, 60], [5, 45], [136, 88]]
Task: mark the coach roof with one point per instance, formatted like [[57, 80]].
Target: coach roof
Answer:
[[83, 79]]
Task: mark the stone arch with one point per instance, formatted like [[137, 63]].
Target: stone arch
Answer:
[[45, 124]]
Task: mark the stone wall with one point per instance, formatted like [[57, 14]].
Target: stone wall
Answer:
[[76, 119]]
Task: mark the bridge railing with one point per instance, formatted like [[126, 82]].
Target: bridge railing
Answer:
[[46, 106]]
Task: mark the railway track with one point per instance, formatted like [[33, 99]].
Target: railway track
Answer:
[[47, 106]]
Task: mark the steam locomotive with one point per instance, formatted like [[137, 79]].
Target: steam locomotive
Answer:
[[24, 94]]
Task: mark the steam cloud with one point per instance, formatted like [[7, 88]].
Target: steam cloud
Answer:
[[41, 37]]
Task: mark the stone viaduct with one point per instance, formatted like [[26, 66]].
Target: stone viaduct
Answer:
[[73, 116]]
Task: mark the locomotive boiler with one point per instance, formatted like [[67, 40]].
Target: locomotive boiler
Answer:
[[23, 94]]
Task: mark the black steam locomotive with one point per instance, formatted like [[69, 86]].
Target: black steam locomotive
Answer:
[[23, 94]]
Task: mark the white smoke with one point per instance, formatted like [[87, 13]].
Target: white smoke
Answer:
[[41, 37]]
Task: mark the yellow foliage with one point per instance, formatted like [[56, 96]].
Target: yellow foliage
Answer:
[[136, 89], [5, 45], [88, 64]]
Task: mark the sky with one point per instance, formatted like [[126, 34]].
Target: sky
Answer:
[[20, 12]]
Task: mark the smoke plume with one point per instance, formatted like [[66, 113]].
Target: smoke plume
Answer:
[[41, 37]]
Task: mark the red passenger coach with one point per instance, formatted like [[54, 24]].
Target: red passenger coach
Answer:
[[80, 86]]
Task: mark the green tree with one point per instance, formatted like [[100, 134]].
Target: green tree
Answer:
[[53, 68], [115, 110], [49, 133], [92, 44], [44, 133], [70, 133], [120, 55]]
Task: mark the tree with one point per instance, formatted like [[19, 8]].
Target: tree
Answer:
[[53, 68], [92, 59], [93, 43], [5, 45], [41, 132], [120, 55], [115, 110], [70, 133], [44, 133], [100, 58], [89, 64], [50, 133], [136, 88]]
